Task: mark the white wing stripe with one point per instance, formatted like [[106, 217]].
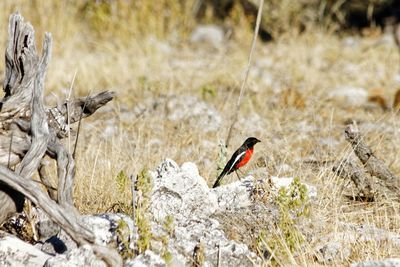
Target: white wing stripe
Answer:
[[237, 158]]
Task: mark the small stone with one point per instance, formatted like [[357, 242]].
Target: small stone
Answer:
[[208, 34], [350, 96]]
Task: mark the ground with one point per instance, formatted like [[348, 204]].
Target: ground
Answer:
[[292, 102]]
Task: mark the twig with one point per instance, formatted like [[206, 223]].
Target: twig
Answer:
[[79, 126], [68, 110], [242, 88]]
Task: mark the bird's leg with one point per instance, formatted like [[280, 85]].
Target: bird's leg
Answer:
[[238, 175], [242, 173]]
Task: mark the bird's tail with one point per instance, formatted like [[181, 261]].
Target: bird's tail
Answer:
[[218, 181]]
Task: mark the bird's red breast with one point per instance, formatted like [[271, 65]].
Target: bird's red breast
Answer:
[[246, 158]]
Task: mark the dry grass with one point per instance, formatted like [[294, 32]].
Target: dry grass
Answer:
[[152, 64]]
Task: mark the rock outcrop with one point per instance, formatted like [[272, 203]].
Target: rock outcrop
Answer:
[[178, 192]]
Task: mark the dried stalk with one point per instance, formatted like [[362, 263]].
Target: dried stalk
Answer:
[[248, 67]]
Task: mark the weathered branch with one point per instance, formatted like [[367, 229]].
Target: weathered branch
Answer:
[[368, 188], [68, 221], [21, 62], [36, 131], [77, 108], [65, 172], [347, 169], [39, 127], [372, 164]]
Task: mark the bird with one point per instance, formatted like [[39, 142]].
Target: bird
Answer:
[[240, 158]]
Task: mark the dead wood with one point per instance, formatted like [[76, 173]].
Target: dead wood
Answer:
[[348, 169], [30, 131], [362, 177], [372, 164], [82, 107], [68, 221]]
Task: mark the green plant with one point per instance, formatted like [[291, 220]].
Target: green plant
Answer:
[[208, 90], [293, 204], [142, 221], [170, 231], [122, 232], [121, 180]]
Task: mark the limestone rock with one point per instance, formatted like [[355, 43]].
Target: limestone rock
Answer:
[[180, 192], [78, 257], [208, 34], [104, 227], [183, 194], [336, 247], [235, 195], [15, 252], [378, 263], [147, 259], [349, 96]]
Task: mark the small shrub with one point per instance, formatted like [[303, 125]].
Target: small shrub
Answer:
[[141, 212], [293, 204], [122, 232], [122, 180]]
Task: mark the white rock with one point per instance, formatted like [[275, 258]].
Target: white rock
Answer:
[[351, 42], [209, 34], [378, 263], [336, 247], [235, 195], [78, 257], [104, 227], [15, 252], [147, 259], [192, 232], [279, 182], [350, 96], [184, 194], [180, 192]]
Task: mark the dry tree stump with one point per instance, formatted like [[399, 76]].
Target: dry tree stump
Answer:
[[29, 131]]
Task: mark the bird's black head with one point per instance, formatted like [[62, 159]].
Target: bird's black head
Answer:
[[251, 141]]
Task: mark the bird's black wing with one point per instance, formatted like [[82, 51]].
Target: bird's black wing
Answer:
[[230, 166]]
